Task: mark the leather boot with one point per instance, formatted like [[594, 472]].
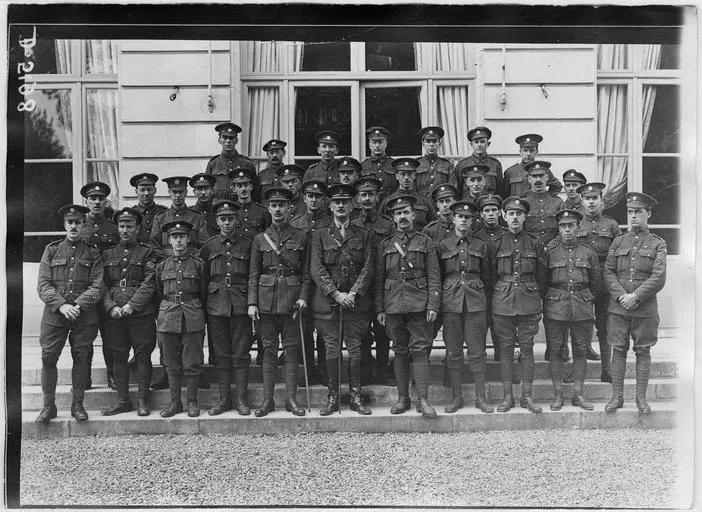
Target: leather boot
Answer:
[[355, 403], [161, 382], [78, 412], [618, 369], [426, 409], [455, 379], [290, 372], [403, 404], [193, 409], [268, 370], [506, 368], [605, 358], [401, 365], [579, 400], [117, 408], [643, 369], [420, 365], [192, 384], [527, 401], [225, 397], [241, 403], [591, 354], [480, 401], [292, 406], [557, 403], [173, 408], [111, 379], [47, 414], [267, 406], [445, 372], [332, 404], [143, 408]]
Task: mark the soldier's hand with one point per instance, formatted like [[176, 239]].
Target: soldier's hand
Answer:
[[69, 311], [381, 318], [300, 306], [629, 301], [127, 310], [340, 297], [116, 312], [253, 313], [348, 301], [431, 315]]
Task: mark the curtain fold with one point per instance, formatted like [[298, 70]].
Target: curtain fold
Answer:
[[102, 140], [612, 137], [451, 57], [63, 56], [298, 55], [611, 57], [453, 118], [264, 118], [101, 56]]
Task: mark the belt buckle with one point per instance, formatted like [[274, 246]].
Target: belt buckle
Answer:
[[570, 287], [402, 275], [179, 298], [344, 271], [122, 283], [70, 287], [517, 279], [228, 281], [280, 272]]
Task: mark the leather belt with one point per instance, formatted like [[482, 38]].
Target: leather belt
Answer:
[[464, 275], [235, 278], [405, 275], [525, 278], [342, 270], [570, 287], [179, 298], [281, 271]]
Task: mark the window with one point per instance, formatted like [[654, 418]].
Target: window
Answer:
[[638, 86], [390, 57], [71, 136]]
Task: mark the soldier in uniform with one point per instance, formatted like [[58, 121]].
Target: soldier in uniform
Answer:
[[349, 172], [159, 241], [541, 219], [515, 178], [635, 271], [379, 164], [423, 208], [226, 257], [407, 300], [574, 280], [100, 231], [572, 179], [181, 284], [598, 231], [465, 285], [70, 284], [520, 274], [251, 217], [443, 196], [145, 187], [314, 219], [433, 170], [474, 181], [379, 226], [341, 266], [290, 177], [220, 166], [279, 288], [131, 311], [479, 138], [178, 190], [203, 188], [326, 169], [267, 177]]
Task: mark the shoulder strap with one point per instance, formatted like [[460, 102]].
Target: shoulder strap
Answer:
[[271, 243], [403, 254]]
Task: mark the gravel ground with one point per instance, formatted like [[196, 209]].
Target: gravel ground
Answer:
[[534, 468]]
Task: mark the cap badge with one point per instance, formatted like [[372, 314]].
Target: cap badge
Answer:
[[589, 188], [634, 198], [176, 182], [537, 166], [72, 210], [377, 132], [516, 201], [527, 139], [466, 207], [177, 225], [314, 185], [229, 129], [565, 214], [97, 187], [475, 168], [442, 188]]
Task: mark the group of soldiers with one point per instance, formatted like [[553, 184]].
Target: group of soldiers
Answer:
[[373, 253]]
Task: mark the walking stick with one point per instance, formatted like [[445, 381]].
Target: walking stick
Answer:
[[304, 359], [341, 345]]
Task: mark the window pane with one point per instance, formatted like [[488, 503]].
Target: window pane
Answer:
[[102, 123], [390, 57], [47, 187], [453, 118], [107, 172], [48, 129], [322, 108], [454, 57], [661, 180], [397, 109], [101, 56], [612, 57], [670, 56], [33, 246], [661, 118], [332, 56], [671, 237], [263, 56], [51, 56], [612, 119]]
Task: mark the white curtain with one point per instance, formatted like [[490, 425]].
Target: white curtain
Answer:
[[452, 56], [453, 118], [264, 118], [612, 57], [419, 49], [264, 56], [101, 56], [612, 137], [63, 56], [650, 59], [102, 132], [298, 55]]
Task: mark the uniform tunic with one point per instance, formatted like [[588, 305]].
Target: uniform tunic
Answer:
[[253, 218], [326, 172], [148, 215], [266, 179], [516, 182], [220, 165], [181, 282], [205, 209], [487, 233], [432, 171], [493, 180], [382, 169], [298, 206], [598, 232], [424, 211], [379, 225], [309, 223], [198, 234], [574, 204], [541, 219], [438, 229], [100, 231]]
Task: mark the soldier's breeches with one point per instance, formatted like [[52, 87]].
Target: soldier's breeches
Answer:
[[138, 332], [270, 327], [354, 329], [382, 343], [52, 340], [580, 335], [523, 328], [642, 330], [231, 338], [409, 332], [182, 352], [468, 328]]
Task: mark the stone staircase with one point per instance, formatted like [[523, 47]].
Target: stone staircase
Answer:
[[662, 392]]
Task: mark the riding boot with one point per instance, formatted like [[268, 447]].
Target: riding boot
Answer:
[[643, 369], [456, 381], [618, 369], [268, 368], [480, 399], [332, 404], [224, 379], [356, 404], [506, 363], [401, 365], [241, 380]]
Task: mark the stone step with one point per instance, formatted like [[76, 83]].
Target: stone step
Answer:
[[468, 419], [101, 397], [659, 369]]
